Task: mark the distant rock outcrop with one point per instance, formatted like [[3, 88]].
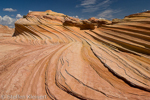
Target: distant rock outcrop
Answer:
[[138, 16], [57, 57], [5, 31], [99, 22]]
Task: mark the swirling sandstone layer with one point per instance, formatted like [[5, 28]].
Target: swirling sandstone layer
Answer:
[[66, 58]]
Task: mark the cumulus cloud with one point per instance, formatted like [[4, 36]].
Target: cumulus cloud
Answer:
[[9, 9], [94, 5], [6, 20], [77, 17], [9, 21], [1, 18], [108, 14], [19, 16], [30, 10]]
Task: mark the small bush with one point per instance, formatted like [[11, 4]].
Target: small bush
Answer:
[[24, 16]]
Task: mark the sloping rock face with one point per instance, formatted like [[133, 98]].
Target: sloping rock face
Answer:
[[5, 31], [137, 16], [133, 17], [51, 56]]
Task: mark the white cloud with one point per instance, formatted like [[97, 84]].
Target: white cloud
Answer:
[[102, 18], [145, 10], [19, 16], [77, 17], [9, 9], [30, 10], [94, 5], [88, 2], [9, 21], [108, 14], [90, 9], [1, 18]]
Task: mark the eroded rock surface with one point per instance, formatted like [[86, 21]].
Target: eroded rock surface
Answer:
[[5, 31], [74, 61]]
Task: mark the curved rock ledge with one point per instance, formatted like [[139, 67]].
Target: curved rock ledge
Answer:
[[65, 58]]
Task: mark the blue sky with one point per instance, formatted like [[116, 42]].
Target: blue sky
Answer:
[[11, 10]]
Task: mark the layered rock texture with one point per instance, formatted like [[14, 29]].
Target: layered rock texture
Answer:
[[64, 58], [5, 31]]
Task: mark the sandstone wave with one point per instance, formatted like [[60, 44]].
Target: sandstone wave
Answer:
[[66, 58]]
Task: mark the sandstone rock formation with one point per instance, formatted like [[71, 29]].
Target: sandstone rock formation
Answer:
[[137, 16], [5, 31], [66, 58], [99, 22]]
